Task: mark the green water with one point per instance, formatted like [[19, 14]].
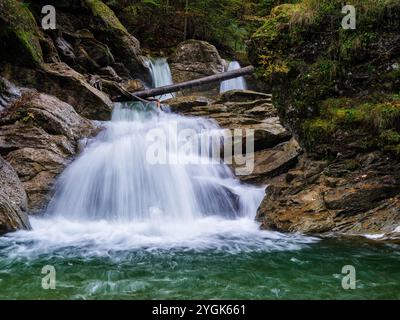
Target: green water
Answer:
[[311, 272]]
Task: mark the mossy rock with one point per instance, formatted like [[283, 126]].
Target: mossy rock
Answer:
[[108, 29], [19, 35], [107, 16], [333, 87]]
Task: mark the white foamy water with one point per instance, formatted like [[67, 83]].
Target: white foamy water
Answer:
[[112, 199], [114, 180], [233, 84], [160, 75], [102, 238]]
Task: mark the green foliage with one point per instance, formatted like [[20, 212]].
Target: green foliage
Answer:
[[317, 131], [379, 121], [334, 87], [228, 24]]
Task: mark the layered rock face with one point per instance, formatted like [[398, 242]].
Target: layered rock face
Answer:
[[72, 74], [359, 196], [350, 196], [83, 62], [276, 151], [38, 135], [13, 204], [338, 94]]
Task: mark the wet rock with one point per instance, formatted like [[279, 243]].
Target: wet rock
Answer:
[[97, 51], [65, 49], [185, 104], [133, 85], [50, 53], [382, 222], [360, 196], [65, 83], [70, 86], [194, 59], [13, 203], [258, 115], [39, 135], [229, 201], [272, 162], [108, 29], [243, 96], [49, 113], [319, 197], [109, 73], [83, 52]]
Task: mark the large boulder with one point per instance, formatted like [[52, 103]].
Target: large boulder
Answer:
[[195, 59], [271, 162], [65, 83], [13, 203], [70, 86], [39, 134], [19, 35], [108, 29]]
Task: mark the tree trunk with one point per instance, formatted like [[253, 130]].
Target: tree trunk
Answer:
[[139, 95]]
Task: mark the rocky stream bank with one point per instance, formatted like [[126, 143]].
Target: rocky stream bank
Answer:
[[322, 175]]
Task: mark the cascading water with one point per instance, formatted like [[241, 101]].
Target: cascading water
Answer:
[[160, 75], [233, 84], [114, 180], [113, 198], [120, 225]]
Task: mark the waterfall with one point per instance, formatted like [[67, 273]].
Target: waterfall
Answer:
[[114, 198], [160, 74], [113, 202], [113, 180], [233, 84]]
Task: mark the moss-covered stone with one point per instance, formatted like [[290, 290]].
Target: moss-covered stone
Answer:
[[108, 29], [19, 34], [335, 88], [101, 10]]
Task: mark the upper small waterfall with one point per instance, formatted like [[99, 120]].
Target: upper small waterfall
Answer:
[[160, 74], [233, 84]]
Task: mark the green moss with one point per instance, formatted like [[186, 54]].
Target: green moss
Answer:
[[385, 115], [285, 16], [101, 10], [389, 141], [352, 165], [29, 42], [376, 125], [333, 86], [354, 45], [349, 117], [390, 137], [21, 28], [336, 103], [317, 131], [376, 116]]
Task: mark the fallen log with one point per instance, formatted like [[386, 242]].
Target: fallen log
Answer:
[[185, 85]]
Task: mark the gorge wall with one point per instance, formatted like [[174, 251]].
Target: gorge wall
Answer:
[[338, 92]]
